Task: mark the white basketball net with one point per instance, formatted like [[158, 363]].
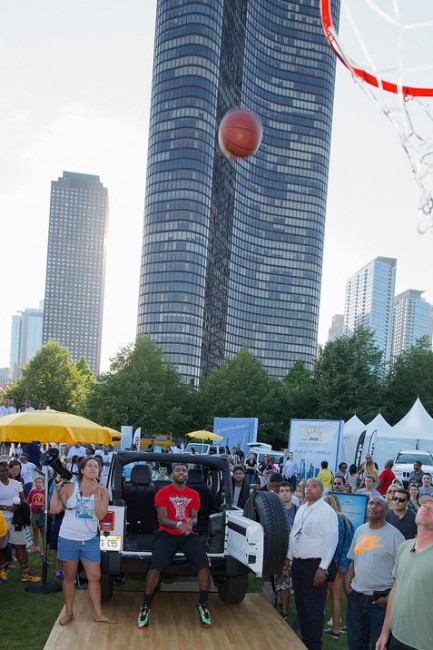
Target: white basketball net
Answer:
[[390, 43]]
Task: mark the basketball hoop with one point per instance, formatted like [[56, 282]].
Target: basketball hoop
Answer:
[[382, 44]]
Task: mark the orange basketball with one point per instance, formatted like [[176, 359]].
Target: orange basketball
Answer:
[[240, 134]]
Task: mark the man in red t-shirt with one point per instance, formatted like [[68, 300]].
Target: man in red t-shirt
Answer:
[[177, 506], [386, 477]]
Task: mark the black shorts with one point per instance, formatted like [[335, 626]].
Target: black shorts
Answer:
[[165, 546]]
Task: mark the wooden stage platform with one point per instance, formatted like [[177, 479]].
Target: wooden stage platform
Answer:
[[174, 625]]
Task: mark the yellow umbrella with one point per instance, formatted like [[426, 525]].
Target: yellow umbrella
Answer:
[[204, 435], [53, 426], [115, 435]]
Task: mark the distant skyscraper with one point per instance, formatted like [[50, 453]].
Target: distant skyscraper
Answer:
[[412, 320], [26, 339], [336, 330], [74, 285], [369, 301], [232, 251], [4, 376]]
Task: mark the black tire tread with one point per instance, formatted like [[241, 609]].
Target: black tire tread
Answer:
[[232, 590], [269, 510]]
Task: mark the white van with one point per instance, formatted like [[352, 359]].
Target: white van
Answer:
[[202, 448], [259, 446]]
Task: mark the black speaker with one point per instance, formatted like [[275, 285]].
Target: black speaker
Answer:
[[51, 458]]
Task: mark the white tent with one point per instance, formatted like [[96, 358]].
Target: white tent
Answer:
[[351, 432], [414, 431], [415, 425]]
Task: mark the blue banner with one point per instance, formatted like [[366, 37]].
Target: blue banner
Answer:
[[236, 431], [354, 507]]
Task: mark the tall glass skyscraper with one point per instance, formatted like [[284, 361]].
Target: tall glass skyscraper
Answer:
[[74, 282], [232, 250]]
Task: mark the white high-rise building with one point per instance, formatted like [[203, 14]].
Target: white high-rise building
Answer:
[[336, 331], [412, 320], [370, 300], [26, 338]]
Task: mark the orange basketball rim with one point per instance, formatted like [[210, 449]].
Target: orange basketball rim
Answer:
[[333, 40]]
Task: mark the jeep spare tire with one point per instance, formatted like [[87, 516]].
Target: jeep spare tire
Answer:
[[268, 509]]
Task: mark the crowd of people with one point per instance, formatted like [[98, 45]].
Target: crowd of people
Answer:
[[67, 527], [384, 567], [327, 557]]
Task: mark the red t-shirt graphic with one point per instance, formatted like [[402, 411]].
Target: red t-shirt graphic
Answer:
[[179, 504]]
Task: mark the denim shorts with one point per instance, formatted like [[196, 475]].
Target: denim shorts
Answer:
[[70, 550]]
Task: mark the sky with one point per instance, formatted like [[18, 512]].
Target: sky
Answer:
[[76, 83]]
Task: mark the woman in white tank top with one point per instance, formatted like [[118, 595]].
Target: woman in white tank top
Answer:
[[85, 503]]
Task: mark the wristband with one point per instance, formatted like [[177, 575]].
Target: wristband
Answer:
[[179, 524]]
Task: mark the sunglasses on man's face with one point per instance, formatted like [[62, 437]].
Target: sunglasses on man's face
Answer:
[[400, 499]]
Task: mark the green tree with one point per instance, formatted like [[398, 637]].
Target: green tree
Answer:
[[300, 395], [141, 389], [241, 387], [411, 376], [349, 377], [86, 384], [52, 377]]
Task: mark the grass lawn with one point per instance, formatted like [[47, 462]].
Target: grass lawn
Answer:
[[26, 619]]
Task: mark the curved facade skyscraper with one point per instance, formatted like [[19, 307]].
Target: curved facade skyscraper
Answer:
[[232, 250]]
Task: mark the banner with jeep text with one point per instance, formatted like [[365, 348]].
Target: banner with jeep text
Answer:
[[312, 441]]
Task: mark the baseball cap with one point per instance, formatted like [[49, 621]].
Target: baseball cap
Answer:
[[424, 498]]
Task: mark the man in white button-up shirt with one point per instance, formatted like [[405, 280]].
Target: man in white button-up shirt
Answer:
[[313, 541]]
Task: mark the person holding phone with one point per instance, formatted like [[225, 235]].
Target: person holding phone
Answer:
[[84, 503]]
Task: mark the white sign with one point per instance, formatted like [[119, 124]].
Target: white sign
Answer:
[[126, 440], [312, 441]]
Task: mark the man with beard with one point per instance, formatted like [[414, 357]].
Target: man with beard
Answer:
[[177, 506], [401, 517]]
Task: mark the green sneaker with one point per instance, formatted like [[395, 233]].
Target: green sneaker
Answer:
[[143, 617], [203, 611]]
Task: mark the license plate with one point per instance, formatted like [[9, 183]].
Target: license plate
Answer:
[[110, 542]]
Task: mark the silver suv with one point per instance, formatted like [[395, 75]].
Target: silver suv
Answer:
[[404, 460], [237, 541]]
